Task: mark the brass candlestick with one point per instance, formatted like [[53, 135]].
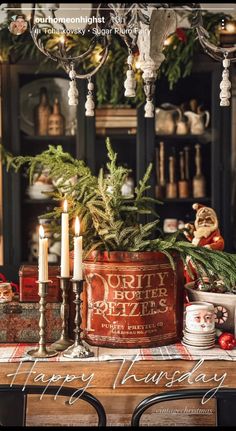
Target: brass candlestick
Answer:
[[64, 341], [42, 351], [78, 349]]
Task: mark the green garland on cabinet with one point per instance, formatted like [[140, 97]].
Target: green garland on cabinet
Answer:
[[179, 53], [184, 45]]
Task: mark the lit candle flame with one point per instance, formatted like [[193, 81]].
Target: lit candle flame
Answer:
[[97, 57], [77, 226], [230, 27], [65, 206], [168, 41], [62, 40], [41, 231]]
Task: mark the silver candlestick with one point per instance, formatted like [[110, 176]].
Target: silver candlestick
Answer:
[[78, 349], [42, 351], [64, 341]]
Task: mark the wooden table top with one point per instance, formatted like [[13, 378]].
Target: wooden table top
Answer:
[[117, 377], [120, 385]]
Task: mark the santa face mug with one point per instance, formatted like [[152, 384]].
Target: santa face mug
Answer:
[[199, 317], [170, 225], [6, 292]]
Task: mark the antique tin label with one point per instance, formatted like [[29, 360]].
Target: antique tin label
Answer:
[[130, 305]]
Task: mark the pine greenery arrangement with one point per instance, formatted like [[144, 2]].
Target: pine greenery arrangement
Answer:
[[111, 221]]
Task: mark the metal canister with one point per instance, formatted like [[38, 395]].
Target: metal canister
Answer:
[[132, 299]]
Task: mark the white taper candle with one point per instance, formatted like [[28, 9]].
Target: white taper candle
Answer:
[[43, 256], [65, 256], [78, 252]]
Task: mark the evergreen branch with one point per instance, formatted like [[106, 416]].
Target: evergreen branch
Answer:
[[109, 221]]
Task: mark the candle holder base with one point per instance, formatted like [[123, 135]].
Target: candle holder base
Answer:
[[42, 353], [78, 351], [61, 344], [64, 341]]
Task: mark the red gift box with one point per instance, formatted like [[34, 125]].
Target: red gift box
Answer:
[[28, 275]]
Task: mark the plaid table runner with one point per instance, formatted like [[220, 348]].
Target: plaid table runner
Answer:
[[18, 352]]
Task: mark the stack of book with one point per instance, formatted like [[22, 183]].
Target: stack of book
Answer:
[[116, 120]]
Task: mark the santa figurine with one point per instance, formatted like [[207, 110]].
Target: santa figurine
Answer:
[[204, 233]]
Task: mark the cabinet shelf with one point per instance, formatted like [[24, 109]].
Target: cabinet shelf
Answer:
[[35, 144], [117, 136], [204, 138], [186, 200], [46, 138]]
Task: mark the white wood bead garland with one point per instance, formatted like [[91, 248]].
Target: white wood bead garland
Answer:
[[149, 109], [225, 84], [73, 93], [130, 82], [90, 105]]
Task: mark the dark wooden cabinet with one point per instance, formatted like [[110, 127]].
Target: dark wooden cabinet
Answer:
[[203, 84], [20, 211], [139, 151], [136, 150]]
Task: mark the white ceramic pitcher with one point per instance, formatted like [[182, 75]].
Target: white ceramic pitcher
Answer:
[[167, 116], [198, 122]]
